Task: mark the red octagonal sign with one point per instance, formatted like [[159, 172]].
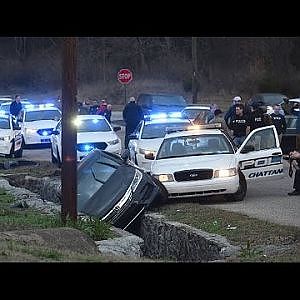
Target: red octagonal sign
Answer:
[[125, 76]]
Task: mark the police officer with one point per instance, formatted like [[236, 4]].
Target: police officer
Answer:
[[16, 106], [258, 117], [238, 124], [132, 115], [278, 121]]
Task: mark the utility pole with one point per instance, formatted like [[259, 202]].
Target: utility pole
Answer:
[[69, 130], [195, 70]]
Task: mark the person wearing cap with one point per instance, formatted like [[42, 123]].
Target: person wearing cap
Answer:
[[132, 115], [231, 111]]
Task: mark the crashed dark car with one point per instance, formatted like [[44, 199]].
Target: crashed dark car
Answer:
[[114, 189]]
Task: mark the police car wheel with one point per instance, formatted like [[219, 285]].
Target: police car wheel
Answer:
[[19, 153], [242, 190]]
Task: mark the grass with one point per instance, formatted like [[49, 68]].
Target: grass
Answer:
[[20, 219], [248, 233]]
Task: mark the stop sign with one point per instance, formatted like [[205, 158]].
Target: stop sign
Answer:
[[124, 76]]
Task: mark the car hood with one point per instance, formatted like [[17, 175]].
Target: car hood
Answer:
[[41, 124], [95, 137], [171, 165], [151, 144]]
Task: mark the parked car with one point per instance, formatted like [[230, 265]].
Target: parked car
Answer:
[[148, 136], [193, 111], [267, 100], [160, 102], [114, 189], [203, 162], [10, 136], [93, 132]]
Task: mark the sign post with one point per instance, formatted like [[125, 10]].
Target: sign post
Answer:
[[125, 77]]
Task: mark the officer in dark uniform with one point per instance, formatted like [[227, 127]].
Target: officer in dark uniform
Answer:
[[238, 123], [259, 117], [132, 115], [278, 121], [16, 106]]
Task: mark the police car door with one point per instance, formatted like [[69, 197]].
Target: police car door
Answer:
[[133, 144], [260, 155]]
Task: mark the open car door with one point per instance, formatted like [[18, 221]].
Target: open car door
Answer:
[[260, 155]]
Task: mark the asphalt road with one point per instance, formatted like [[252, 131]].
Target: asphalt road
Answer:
[[265, 200]]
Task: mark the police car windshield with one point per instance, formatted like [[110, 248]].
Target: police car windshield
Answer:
[[93, 125], [193, 112], [4, 123], [42, 115], [168, 100], [153, 131], [194, 145]]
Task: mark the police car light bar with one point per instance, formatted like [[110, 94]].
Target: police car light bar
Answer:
[[163, 115], [206, 126], [176, 129]]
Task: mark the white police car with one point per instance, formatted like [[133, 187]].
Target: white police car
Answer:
[[203, 162], [93, 132], [150, 133], [193, 111], [10, 136], [37, 123]]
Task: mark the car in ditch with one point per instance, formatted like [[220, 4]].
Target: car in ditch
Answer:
[[204, 161], [149, 134], [10, 136], [93, 132], [114, 189]]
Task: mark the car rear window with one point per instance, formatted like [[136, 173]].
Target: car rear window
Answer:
[[93, 125], [4, 123], [166, 100]]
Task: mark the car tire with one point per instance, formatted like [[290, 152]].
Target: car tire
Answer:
[[242, 190], [53, 158], [19, 153]]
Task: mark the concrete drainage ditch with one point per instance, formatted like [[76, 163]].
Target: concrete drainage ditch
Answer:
[[158, 238]]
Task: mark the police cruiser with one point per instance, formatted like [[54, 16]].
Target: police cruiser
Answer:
[[37, 122], [149, 134], [93, 132], [203, 162], [10, 136]]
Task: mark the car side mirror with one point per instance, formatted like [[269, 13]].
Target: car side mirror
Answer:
[[117, 128], [55, 132], [125, 155], [16, 127], [149, 155], [132, 136], [247, 148]]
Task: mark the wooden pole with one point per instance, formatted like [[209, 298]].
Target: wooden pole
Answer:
[[195, 70], [69, 132]]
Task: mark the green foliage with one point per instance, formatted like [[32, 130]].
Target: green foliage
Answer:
[[5, 197], [94, 227], [249, 251]]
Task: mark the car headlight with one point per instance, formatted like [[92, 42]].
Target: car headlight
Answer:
[[164, 177], [30, 130], [146, 151], [114, 142], [5, 138], [225, 173], [136, 180]]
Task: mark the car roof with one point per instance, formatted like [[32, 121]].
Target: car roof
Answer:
[[166, 121], [87, 117], [41, 108], [160, 94], [193, 132], [270, 94], [197, 106]]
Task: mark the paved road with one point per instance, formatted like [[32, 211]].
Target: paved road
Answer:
[[264, 200]]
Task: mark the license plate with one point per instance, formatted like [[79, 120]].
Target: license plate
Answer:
[[45, 140]]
